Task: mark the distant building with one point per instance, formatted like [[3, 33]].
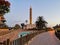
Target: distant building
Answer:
[[28, 26]]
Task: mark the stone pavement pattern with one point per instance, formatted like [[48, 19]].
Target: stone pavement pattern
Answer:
[[47, 38]]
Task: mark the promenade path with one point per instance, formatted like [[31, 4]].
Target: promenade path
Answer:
[[47, 38]]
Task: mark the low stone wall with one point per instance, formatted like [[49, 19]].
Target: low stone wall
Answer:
[[4, 29], [12, 35]]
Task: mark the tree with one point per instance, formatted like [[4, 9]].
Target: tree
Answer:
[[17, 26], [26, 24], [22, 24], [3, 26], [4, 6], [56, 26], [40, 23], [26, 21]]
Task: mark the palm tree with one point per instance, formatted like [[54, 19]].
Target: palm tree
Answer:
[[26, 21], [40, 23], [26, 24], [22, 24]]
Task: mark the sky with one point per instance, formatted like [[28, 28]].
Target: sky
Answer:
[[19, 11]]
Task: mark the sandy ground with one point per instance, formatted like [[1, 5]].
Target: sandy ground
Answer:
[[47, 38]]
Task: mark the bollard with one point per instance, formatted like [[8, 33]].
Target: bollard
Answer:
[[8, 42], [21, 40], [4, 43], [27, 38]]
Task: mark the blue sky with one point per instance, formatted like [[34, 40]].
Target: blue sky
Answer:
[[19, 11]]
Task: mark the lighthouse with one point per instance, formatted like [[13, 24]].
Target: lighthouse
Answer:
[[30, 15], [30, 25]]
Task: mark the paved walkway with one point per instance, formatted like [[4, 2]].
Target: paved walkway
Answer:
[[47, 38]]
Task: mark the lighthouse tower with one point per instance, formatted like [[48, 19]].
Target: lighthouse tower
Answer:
[[30, 25], [30, 15]]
